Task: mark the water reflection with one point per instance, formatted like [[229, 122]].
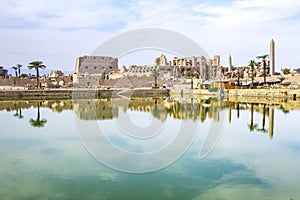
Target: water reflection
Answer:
[[38, 122], [18, 113], [54, 165], [161, 108]]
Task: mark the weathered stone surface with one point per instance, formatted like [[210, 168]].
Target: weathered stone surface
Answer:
[[90, 70]]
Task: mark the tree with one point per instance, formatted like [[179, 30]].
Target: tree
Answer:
[[263, 59], [281, 78], [192, 73], [19, 69], [155, 74], [286, 71], [197, 75], [16, 70], [252, 63], [37, 65], [3, 72], [38, 122]]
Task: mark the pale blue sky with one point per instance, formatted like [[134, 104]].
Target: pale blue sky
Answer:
[[57, 31]]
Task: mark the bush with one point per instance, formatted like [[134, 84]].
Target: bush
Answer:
[[213, 89], [286, 71]]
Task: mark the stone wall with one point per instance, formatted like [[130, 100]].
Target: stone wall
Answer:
[[90, 70], [272, 93]]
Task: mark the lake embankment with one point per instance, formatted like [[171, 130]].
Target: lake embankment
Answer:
[[80, 93], [139, 92]]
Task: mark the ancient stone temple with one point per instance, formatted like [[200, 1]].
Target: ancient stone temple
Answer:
[[90, 70], [216, 60], [161, 61]]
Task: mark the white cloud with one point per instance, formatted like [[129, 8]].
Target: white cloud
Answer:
[[242, 28]]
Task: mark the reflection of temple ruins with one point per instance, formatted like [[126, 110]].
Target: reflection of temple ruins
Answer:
[[188, 109]]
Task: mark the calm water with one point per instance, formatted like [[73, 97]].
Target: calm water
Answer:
[[255, 154]]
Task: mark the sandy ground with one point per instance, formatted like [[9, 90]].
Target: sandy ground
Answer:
[[288, 78]]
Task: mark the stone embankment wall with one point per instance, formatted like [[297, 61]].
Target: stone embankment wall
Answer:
[[58, 93], [273, 93]]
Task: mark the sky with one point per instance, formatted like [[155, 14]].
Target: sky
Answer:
[[58, 31]]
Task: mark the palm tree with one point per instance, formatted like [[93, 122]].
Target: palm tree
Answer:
[[38, 122], [155, 74], [3, 72], [37, 65], [263, 59], [252, 63], [19, 69], [191, 74], [16, 70]]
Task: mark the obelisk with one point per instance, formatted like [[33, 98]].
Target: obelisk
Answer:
[[272, 57], [229, 63]]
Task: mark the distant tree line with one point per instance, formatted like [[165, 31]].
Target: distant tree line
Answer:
[[35, 65]]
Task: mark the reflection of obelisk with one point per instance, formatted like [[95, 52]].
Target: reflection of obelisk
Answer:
[[229, 114], [271, 122], [272, 57], [229, 63]]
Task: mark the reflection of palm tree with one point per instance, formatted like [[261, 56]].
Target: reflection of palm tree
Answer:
[[284, 110], [263, 130], [19, 113], [38, 122], [157, 111], [252, 126], [16, 114]]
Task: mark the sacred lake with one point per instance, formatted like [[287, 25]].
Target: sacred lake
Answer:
[[233, 148]]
